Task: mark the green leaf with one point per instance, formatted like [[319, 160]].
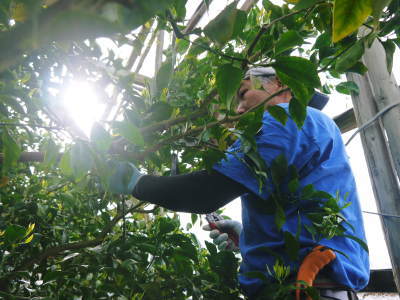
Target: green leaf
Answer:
[[228, 80], [293, 185], [100, 137], [279, 113], [256, 160], [280, 217], [307, 192], [348, 87], [350, 57], [52, 275], [358, 240], [160, 111], [11, 150], [50, 154], [298, 68], [279, 170], [212, 156], [251, 123], [298, 112], [181, 45], [302, 4], [288, 40], [348, 16], [79, 25], [166, 225], [358, 68], [240, 23], [378, 6], [163, 77], [222, 28], [14, 233], [81, 159], [323, 41], [65, 163], [312, 230], [194, 218], [211, 248], [390, 48], [28, 239], [299, 74], [292, 246], [129, 131]]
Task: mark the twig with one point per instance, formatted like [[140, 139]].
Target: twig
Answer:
[[265, 27]]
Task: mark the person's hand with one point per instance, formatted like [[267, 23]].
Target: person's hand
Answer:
[[123, 177], [220, 236]]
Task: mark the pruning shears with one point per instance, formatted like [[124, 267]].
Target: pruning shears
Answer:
[[212, 218]]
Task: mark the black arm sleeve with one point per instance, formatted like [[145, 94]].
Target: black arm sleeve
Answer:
[[197, 192]]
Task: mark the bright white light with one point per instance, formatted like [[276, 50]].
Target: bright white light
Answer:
[[82, 105]]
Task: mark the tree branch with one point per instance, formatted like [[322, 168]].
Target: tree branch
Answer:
[[189, 132]]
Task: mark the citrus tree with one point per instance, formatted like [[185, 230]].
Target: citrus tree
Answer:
[[62, 232]]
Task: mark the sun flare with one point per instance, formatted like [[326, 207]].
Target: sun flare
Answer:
[[82, 104]]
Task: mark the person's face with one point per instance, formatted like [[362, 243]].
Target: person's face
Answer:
[[248, 97]]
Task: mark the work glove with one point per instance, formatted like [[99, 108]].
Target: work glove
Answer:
[[220, 236], [123, 178]]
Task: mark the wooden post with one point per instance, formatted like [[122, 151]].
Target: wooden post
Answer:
[[385, 92], [384, 180]]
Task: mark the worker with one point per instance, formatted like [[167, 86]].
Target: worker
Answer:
[[318, 153]]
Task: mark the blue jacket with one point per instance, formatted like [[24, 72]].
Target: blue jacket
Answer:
[[319, 155]]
